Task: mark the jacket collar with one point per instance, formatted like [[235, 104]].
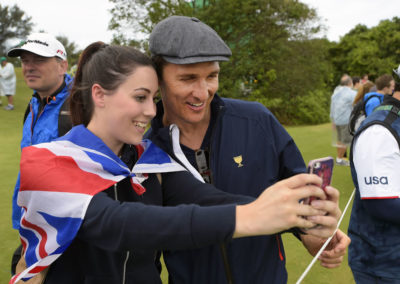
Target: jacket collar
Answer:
[[49, 99]]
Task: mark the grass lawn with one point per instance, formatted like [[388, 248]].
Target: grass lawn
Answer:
[[10, 136], [313, 141]]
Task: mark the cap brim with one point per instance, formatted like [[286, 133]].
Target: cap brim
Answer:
[[15, 52], [194, 59]]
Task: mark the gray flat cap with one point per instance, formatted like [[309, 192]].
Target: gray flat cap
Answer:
[[184, 40]]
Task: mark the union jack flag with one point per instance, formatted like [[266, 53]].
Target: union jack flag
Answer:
[[58, 180]]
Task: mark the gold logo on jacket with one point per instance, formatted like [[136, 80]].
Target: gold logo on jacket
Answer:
[[238, 160]]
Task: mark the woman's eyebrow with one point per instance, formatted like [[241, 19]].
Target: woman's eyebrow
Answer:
[[142, 89]]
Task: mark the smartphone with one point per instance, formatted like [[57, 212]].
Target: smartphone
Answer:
[[323, 168]]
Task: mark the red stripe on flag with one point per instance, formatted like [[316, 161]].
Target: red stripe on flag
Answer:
[[23, 245], [37, 269], [42, 233], [139, 150], [38, 164], [12, 281], [139, 189]]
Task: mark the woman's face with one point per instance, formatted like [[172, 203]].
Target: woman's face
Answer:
[[121, 117]]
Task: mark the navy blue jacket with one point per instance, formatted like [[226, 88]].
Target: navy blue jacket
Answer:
[[118, 239], [374, 226], [268, 154]]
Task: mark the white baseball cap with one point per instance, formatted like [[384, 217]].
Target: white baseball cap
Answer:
[[42, 44]]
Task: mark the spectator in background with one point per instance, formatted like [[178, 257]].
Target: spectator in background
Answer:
[[374, 253], [356, 83], [2, 94], [8, 81], [364, 89], [44, 66], [385, 86], [364, 79], [341, 106]]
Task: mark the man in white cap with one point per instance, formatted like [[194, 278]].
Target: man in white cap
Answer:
[[44, 67], [238, 146], [8, 81]]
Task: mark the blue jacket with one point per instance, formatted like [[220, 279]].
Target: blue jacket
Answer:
[[374, 226], [373, 102], [268, 154], [42, 127]]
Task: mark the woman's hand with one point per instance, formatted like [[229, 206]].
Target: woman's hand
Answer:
[[279, 208]]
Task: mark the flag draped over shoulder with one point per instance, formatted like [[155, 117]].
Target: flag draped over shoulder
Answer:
[[58, 180]]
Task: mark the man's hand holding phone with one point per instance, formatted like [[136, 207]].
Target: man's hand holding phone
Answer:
[[313, 240], [323, 168]]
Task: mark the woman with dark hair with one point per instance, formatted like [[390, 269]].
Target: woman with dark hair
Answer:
[[95, 208]]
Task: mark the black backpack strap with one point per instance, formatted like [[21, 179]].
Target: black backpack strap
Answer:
[[394, 113], [27, 111], [64, 119], [358, 112], [380, 98], [370, 97]]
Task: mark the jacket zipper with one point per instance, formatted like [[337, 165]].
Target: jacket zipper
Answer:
[[223, 250], [227, 268], [127, 253]]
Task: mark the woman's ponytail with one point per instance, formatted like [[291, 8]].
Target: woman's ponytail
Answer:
[[80, 102]]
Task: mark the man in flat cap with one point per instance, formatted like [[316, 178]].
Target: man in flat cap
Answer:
[[238, 146]]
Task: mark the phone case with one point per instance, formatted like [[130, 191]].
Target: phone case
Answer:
[[323, 168]]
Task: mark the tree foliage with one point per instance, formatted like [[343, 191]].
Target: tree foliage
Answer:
[[275, 60], [14, 23], [71, 49], [372, 51]]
